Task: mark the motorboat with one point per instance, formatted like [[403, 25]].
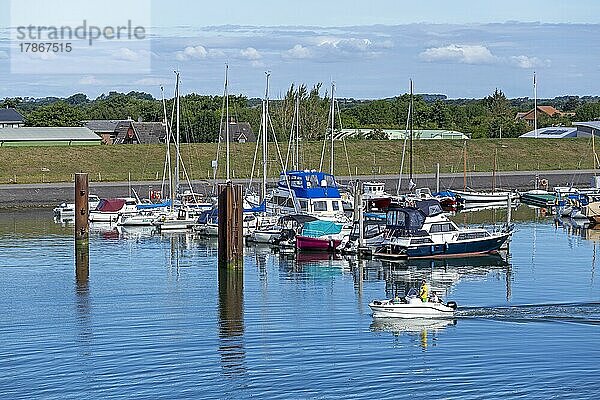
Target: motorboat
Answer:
[[412, 306], [109, 210], [424, 232], [66, 211], [176, 220], [309, 192], [320, 235], [373, 226]]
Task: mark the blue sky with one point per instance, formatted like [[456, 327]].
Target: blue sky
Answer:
[[370, 49]]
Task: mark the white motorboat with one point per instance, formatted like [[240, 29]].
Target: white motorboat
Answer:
[[66, 211], [180, 220], [109, 210], [411, 306], [143, 218]]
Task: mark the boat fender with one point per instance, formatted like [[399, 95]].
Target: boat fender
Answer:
[[446, 247], [452, 305], [331, 244]]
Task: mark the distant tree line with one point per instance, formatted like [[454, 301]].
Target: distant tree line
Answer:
[[201, 115]]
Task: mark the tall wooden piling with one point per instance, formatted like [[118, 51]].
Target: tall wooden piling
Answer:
[[230, 231], [82, 230]]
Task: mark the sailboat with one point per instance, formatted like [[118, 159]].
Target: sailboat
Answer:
[[493, 197], [181, 218]]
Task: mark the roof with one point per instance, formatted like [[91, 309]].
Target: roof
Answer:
[[102, 125], [548, 110], [588, 124], [53, 133], [238, 130], [146, 132], [552, 132], [11, 115]]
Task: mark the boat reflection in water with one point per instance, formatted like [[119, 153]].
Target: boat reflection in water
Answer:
[[442, 274], [422, 332]]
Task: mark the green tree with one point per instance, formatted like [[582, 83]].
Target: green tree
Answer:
[[55, 114]]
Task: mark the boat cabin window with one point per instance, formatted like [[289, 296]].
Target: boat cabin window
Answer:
[[295, 181], [446, 227], [336, 205], [319, 205], [473, 235], [304, 205], [130, 202], [330, 181], [283, 201]]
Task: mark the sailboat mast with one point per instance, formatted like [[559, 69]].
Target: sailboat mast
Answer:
[[494, 170], [168, 156], [264, 136], [410, 173], [177, 137], [227, 119], [535, 106], [297, 165], [332, 112], [465, 165]]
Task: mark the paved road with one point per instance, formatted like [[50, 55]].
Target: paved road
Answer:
[[49, 194]]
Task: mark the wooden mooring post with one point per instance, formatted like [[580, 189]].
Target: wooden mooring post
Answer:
[[82, 230], [230, 231]]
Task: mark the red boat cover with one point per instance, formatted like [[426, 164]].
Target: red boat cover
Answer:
[[110, 205]]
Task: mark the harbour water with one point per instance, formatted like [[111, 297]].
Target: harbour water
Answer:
[[156, 320]]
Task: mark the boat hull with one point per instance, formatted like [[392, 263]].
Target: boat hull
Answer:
[[265, 236], [484, 197], [316, 244], [413, 309], [451, 249]]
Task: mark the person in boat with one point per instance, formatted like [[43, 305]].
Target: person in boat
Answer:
[[435, 298], [424, 292]]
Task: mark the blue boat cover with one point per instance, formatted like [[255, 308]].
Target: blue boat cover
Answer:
[[319, 228], [151, 206]]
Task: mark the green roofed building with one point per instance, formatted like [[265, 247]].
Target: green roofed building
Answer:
[[48, 136]]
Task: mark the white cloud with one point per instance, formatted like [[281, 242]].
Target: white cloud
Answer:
[[250, 53], [198, 53], [149, 82], [465, 54], [192, 52], [526, 62], [298, 52], [90, 80], [125, 54]]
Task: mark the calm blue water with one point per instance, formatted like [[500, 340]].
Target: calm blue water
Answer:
[[155, 320]]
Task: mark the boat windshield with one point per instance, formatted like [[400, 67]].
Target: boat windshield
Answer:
[[412, 293]]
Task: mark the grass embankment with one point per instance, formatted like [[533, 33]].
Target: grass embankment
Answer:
[[146, 162]]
